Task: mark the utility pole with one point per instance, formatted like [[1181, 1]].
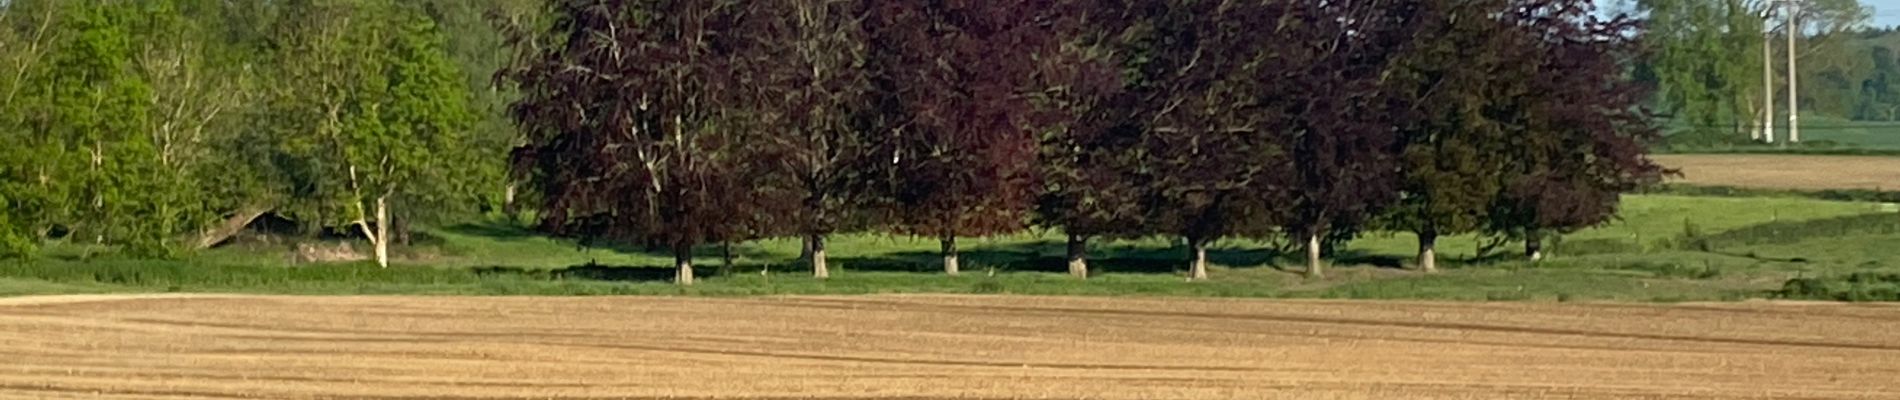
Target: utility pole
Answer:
[[1767, 76], [1794, 108]]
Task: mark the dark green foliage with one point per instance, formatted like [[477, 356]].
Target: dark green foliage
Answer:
[[139, 123], [1868, 286], [1454, 133], [1855, 195], [1791, 231]]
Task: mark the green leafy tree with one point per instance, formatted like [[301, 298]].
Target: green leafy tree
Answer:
[[1456, 77], [115, 170], [374, 113], [25, 35]]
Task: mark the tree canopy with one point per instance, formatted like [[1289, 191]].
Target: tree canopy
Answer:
[[150, 126]]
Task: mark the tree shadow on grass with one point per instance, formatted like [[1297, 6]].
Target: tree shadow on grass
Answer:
[[1050, 256], [1361, 257], [614, 273], [505, 232], [494, 230]]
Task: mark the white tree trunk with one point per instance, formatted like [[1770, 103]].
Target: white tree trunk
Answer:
[[725, 258], [508, 207], [231, 226], [1794, 98], [950, 256], [1078, 256], [683, 265], [1314, 266], [817, 245], [1428, 252], [382, 231], [1768, 91]]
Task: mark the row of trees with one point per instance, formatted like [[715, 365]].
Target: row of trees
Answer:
[[161, 125], [679, 123]]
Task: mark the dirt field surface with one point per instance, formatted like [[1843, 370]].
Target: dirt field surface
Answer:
[[930, 347], [1775, 171]]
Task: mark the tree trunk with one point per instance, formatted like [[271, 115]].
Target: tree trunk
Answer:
[[683, 265], [816, 244], [950, 255], [231, 226], [1428, 251], [1534, 246], [1197, 259], [1314, 266], [401, 227], [382, 231], [1078, 256], [725, 257], [804, 249]]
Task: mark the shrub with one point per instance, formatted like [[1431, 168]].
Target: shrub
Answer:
[[1863, 286]]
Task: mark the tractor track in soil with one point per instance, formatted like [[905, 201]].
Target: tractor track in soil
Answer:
[[929, 347]]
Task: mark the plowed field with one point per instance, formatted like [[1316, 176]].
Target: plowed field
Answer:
[[928, 347], [1778, 171]]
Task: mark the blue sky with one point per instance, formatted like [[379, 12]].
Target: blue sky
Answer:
[[1886, 12]]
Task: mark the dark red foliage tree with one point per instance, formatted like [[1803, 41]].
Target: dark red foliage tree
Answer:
[[1583, 131], [1194, 137], [631, 133], [1087, 191], [1332, 109], [951, 81], [808, 88]]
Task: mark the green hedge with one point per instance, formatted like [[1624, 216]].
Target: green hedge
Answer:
[[1859, 195], [1865, 286]]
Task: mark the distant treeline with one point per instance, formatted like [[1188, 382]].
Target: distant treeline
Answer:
[[677, 123]]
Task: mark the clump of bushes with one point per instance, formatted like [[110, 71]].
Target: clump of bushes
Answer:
[[1862, 286], [1786, 231], [1856, 195]]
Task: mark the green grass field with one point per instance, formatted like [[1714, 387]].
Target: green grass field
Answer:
[[1823, 134], [1862, 134], [1663, 248]]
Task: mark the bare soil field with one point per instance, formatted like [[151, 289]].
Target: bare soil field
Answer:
[[1776, 171], [930, 347]]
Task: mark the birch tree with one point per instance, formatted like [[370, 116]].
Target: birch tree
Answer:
[[375, 105]]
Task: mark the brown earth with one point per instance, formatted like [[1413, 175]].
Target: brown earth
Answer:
[[928, 347], [1776, 171]]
